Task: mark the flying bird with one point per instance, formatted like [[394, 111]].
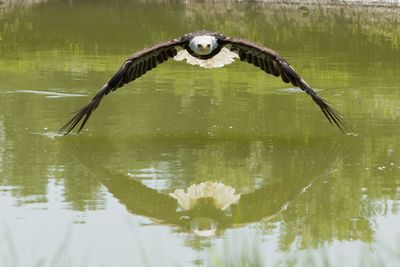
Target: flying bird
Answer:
[[207, 50]]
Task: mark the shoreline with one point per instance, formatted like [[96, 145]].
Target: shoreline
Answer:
[[321, 3]]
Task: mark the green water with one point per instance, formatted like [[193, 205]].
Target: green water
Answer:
[[310, 195]]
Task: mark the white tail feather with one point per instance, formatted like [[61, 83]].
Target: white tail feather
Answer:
[[224, 57]]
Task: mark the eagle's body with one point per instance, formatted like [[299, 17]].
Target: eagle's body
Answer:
[[207, 50]]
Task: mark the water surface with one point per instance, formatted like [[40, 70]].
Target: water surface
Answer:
[[309, 194]]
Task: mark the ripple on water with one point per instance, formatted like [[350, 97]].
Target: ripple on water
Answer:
[[49, 94]]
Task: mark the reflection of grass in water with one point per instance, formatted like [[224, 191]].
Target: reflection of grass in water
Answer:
[[233, 252], [11, 258], [248, 254], [252, 253], [62, 254], [61, 257]]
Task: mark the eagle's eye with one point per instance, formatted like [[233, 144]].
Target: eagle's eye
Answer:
[[208, 45], [198, 45]]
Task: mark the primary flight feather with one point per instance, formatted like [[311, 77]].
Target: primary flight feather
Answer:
[[207, 50]]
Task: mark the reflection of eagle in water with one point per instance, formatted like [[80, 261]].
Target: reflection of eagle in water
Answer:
[[207, 50], [214, 211]]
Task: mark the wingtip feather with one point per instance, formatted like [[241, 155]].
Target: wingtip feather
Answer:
[[84, 113], [333, 116]]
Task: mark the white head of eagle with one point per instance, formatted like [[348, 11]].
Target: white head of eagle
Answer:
[[203, 44], [204, 51]]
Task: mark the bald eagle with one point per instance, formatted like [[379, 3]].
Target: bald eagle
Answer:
[[208, 50]]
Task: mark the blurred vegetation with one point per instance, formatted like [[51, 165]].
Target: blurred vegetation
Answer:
[[249, 252]]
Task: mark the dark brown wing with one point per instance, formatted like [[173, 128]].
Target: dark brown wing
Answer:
[[134, 67], [272, 63]]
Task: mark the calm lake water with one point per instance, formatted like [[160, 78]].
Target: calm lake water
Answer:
[[309, 195]]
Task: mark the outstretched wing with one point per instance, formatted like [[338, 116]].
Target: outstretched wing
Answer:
[[134, 67], [272, 63]]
